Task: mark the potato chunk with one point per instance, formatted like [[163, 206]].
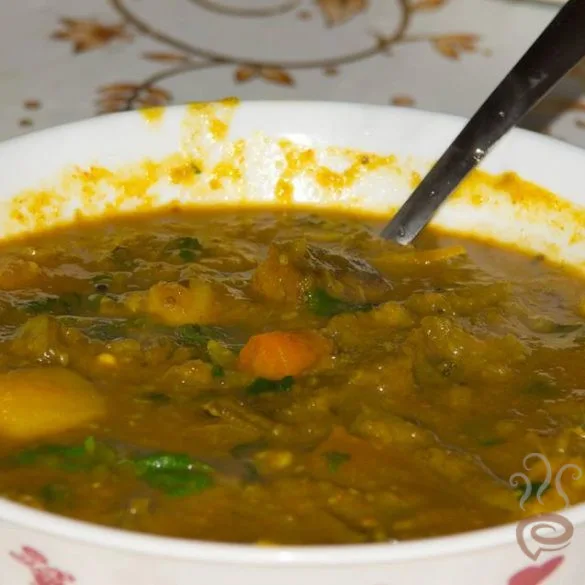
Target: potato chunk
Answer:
[[175, 304], [37, 402]]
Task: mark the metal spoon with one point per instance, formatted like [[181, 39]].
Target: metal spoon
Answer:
[[558, 49]]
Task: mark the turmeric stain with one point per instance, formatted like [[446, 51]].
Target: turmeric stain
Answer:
[[284, 192], [185, 174], [224, 171], [153, 115], [218, 129]]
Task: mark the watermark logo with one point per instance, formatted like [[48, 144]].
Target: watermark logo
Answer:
[[549, 531]]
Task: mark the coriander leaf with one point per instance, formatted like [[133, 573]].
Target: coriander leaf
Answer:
[[122, 257], [108, 330], [67, 303], [175, 474], [55, 494], [102, 279], [533, 487], [66, 457], [264, 386], [321, 303], [89, 445], [154, 398], [185, 243], [187, 255], [178, 483], [335, 459], [217, 371], [170, 462], [201, 335], [541, 386], [196, 334]]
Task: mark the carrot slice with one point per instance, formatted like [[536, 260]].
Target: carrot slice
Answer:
[[278, 354]]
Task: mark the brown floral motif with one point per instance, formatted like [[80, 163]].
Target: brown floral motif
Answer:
[[452, 46], [115, 97], [86, 35], [405, 101], [271, 74], [186, 57], [162, 57], [337, 12], [31, 104]]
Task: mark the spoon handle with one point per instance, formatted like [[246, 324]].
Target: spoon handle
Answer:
[[558, 49]]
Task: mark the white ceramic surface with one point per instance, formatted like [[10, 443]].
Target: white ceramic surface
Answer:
[[40, 549]]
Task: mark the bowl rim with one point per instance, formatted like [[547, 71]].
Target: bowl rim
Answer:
[[210, 552]]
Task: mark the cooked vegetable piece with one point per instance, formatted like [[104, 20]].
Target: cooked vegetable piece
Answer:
[[279, 354], [277, 279], [40, 402], [175, 304]]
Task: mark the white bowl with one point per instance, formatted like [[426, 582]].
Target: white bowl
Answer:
[[53, 176]]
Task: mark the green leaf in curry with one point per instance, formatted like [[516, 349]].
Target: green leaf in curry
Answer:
[[170, 462], [178, 483], [66, 457], [185, 243], [108, 329], [174, 474], [264, 386], [158, 398], [55, 494], [217, 371], [73, 458], [200, 335], [335, 459], [67, 303], [122, 258], [187, 248], [322, 304], [533, 489], [542, 387]]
